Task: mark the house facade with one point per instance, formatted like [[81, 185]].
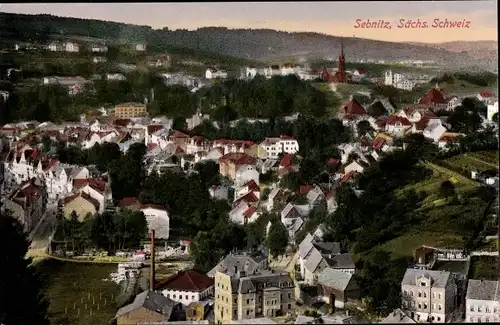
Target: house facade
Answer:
[[428, 296], [482, 302], [271, 148], [187, 287], [158, 219]]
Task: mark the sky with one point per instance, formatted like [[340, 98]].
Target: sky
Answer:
[[333, 18]]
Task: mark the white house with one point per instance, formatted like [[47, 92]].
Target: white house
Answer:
[[140, 47], [96, 48], [492, 110], [158, 219], [392, 78], [250, 72], [271, 148], [243, 213], [397, 125], [453, 103], [71, 47], [187, 287], [245, 174], [434, 130], [115, 77], [215, 74], [482, 304], [405, 84]]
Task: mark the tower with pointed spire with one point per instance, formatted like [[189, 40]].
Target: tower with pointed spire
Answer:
[[341, 75]]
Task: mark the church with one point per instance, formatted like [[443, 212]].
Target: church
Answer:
[[340, 76]]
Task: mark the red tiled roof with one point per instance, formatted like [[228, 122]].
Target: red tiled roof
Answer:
[[179, 151], [252, 186], [486, 94], [128, 201], [178, 134], [96, 183], [85, 196], [250, 197], [304, 189], [153, 128], [51, 163], [346, 177], [393, 119], [354, 108], [153, 206], [151, 146], [422, 124], [190, 281], [238, 158], [286, 160], [378, 143], [249, 212], [286, 137], [433, 96]]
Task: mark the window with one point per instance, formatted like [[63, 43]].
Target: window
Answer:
[[186, 297], [487, 320], [425, 306], [235, 300], [235, 312], [422, 284], [487, 310], [471, 308], [411, 293], [440, 307], [289, 306], [176, 296], [471, 319], [289, 296], [432, 318], [168, 295], [439, 296], [479, 309], [418, 317], [419, 306], [439, 318], [248, 301], [248, 312], [192, 297], [425, 294], [405, 293], [420, 294]]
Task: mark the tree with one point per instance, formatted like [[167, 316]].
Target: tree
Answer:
[[465, 119], [18, 278], [364, 127], [277, 239], [447, 190], [377, 109], [47, 143], [203, 252]]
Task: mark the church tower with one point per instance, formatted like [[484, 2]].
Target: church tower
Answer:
[[341, 74]]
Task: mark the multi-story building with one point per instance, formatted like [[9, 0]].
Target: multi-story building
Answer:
[[428, 296], [482, 303], [128, 110], [252, 262], [27, 203], [271, 148], [241, 295]]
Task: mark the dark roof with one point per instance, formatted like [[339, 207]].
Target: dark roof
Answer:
[[341, 261], [150, 300], [327, 247], [189, 280], [434, 96], [354, 108]]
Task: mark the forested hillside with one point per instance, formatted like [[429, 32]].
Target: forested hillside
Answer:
[[243, 43]]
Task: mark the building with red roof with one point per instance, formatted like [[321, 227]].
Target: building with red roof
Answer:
[[434, 99], [229, 163], [186, 287]]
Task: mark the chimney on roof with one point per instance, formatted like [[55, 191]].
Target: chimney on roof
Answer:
[[153, 252]]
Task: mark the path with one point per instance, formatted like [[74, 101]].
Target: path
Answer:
[[481, 161]]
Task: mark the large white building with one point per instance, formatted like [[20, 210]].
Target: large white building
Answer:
[[482, 303], [187, 287], [215, 74], [271, 148], [428, 296]]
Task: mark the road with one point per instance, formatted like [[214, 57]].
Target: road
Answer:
[[43, 230]]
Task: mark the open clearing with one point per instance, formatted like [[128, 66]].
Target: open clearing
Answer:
[[77, 293], [441, 224], [476, 161]]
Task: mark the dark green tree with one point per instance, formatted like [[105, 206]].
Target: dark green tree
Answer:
[[364, 127], [18, 277], [447, 190], [277, 239]]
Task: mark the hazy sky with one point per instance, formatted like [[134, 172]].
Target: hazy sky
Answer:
[[334, 18]]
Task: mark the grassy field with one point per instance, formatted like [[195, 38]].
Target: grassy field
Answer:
[[441, 224], [477, 161], [77, 293], [484, 267]]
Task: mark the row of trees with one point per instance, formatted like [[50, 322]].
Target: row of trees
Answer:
[[263, 98], [110, 232]]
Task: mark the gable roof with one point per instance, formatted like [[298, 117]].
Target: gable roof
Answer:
[[238, 158], [354, 108], [334, 279], [306, 245], [433, 96], [84, 196], [313, 260], [150, 300], [483, 290], [128, 201], [189, 280], [178, 134]]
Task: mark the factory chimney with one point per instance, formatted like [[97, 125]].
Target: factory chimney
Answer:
[[153, 253]]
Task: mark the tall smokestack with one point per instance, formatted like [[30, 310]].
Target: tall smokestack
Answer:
[[153, 253]]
